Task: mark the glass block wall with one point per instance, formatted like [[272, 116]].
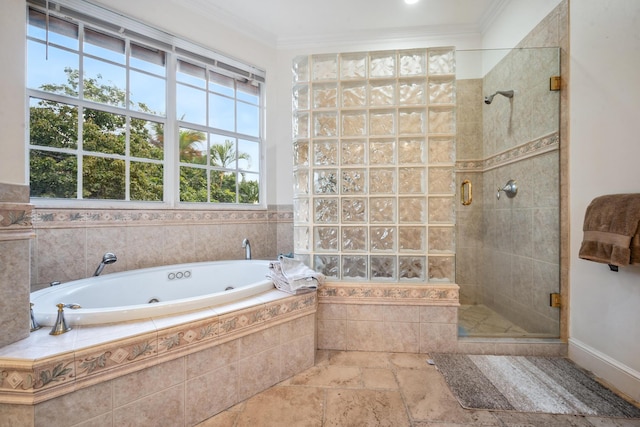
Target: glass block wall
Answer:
[[374, 153]]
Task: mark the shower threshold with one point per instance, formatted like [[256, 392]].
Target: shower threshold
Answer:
[[479, 321]]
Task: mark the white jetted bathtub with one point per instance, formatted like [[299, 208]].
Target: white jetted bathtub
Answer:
[[151, 292]]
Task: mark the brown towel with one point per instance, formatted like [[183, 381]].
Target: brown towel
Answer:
[[612, 230]]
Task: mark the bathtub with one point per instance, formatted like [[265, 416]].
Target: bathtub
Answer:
[[151, 292]]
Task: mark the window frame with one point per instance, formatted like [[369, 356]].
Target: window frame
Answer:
[[99, 19]]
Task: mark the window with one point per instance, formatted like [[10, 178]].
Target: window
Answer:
[[109, 107]]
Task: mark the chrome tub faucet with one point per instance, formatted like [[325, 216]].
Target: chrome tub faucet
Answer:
[[247, 248]]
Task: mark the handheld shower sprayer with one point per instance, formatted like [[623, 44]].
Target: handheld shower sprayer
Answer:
[[108, 258], [506, 93]]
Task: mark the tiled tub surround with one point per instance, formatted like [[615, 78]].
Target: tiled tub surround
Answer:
[[175, 370], [373, 143], [69, 243]]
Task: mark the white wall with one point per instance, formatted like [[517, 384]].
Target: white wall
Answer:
[[604, 159], [12, 92]]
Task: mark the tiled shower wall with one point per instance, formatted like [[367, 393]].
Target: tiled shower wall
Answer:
[[69, 243], [374, 149]]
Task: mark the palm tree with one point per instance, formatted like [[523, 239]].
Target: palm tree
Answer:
[[223, 155]]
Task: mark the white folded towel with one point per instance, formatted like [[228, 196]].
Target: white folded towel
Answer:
[[293, 276]]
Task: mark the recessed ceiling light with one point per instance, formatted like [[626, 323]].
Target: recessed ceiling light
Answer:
[[411, 1]]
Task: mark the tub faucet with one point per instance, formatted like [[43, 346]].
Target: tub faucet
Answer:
[[108, 258], [247, 248]]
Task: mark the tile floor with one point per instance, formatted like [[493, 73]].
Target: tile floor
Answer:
[[481, 321], [364, 389]]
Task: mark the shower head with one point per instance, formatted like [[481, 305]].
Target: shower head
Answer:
[[507, 93]]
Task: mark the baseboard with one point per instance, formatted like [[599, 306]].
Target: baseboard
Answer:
[[619, 376]]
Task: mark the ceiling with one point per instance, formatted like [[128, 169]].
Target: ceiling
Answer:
[[285, 23]]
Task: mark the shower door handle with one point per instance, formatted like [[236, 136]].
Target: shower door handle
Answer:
[[466, 197]]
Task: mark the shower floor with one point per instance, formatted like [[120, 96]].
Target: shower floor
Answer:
[[481, 321]]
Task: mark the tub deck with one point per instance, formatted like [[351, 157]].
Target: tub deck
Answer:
[[43, 366]]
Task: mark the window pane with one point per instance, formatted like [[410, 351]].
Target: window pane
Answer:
[[147, 93], [191, 74], [191, 105], [103, 132], [223, 151], [53, 124], [248, 119], [53, 174], [104, 82], [58, 74], [221, 84], [104, 46], [103, 178], [193, 146], [193, 184], [221, 113], [248, 155], [145, 181], [146, 139], [249, 188], [61, 32], [223, 187], [248, 92], [148, 59]]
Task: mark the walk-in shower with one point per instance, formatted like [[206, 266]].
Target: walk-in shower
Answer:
[[507, 248]]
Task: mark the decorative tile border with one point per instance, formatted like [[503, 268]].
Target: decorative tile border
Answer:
[[532, 148], [63, 217], [26, 381], [16, 221], [394, 294]]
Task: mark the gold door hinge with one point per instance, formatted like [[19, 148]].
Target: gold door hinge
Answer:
[[555, 300], [554, 83]]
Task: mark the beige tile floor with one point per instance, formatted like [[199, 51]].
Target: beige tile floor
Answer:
[[364, 389], [481, 321]]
